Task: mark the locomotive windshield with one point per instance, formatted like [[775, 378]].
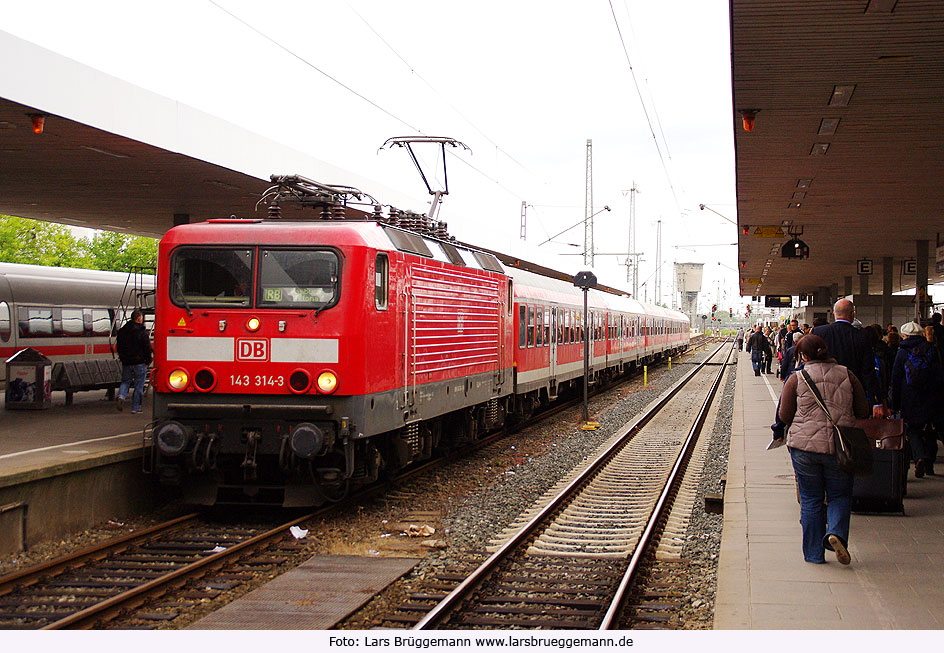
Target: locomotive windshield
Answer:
[[211, 277], [297, 278]]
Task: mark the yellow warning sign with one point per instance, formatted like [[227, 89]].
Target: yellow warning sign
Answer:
[[768, 232], [754, 281], [182, 322]]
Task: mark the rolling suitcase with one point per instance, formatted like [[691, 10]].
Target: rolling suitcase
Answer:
[[884, 489]]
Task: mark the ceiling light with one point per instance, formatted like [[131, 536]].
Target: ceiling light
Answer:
[[786, 223], [799, 195], [881, 6], [828, 126], [841, 95], [804, 184], [105, 152], [819, 149], [793, 205]]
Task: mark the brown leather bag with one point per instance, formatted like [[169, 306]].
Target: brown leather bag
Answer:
[[885, 434]]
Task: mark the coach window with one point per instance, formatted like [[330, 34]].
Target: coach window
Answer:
[[5, 329], [530, 326], [547, 327], [539, 328], [35, 322], [511, 296], [522, 325], [100, 321], [72, 322], [380, 282], [290, 278]]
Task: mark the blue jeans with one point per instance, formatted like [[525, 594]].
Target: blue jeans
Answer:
[[757, 360], [819, 479], [138, 373]]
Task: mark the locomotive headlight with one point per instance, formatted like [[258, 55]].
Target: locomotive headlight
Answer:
[[327, 382], [178, 380], [172, 438], [253, 324]]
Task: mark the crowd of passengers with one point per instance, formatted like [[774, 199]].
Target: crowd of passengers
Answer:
[[835, 373]]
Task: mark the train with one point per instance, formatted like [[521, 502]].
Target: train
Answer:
[[296, 359], [67, 314]]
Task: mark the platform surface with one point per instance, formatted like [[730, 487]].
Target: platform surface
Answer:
[[895, 581], [313, 596], [38, 443]]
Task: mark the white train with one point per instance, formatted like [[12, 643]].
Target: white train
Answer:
[[67, 314]]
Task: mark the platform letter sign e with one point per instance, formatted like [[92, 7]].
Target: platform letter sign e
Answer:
[[252, 349]]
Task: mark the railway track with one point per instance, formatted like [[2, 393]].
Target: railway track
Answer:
[[98, 583], [572, 560]]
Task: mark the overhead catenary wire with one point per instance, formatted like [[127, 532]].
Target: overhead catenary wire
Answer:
[[435, 90], [363, 97], [645, 111]]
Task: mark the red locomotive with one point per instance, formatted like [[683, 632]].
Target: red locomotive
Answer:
[[296, 359]]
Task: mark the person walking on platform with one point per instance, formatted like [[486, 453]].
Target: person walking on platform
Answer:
[[740, 338], [134, 350], [769, 353], [850, 347], [918, 392], [756, 346], [810, 442]]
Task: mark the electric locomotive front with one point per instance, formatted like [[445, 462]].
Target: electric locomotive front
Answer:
[[262, 338]]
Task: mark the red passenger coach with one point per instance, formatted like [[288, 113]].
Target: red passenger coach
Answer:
[[297, 359]]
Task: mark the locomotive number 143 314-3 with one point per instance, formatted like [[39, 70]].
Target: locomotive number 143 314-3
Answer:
[[257, 380]]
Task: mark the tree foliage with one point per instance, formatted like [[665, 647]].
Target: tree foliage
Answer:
[[44, 243]]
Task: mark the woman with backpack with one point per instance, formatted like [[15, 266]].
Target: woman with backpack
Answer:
[[917, 388]]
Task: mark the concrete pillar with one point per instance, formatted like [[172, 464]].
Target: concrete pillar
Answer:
[[864, 284], [847, 286], [921, 279], [887, 272]]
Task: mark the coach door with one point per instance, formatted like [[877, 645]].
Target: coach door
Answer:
[[552, 354]]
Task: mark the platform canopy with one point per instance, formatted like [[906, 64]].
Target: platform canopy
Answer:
[[114, 156], [847, 141]]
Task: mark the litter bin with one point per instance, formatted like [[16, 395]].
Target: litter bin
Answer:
[[29, 380]]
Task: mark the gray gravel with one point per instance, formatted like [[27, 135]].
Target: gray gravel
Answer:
[[480, 515]]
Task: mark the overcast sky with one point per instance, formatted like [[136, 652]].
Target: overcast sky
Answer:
[[523, 83]]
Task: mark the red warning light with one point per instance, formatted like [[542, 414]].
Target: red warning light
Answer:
[[39, 122]]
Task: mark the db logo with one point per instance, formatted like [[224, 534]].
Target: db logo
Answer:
[[252, 350]]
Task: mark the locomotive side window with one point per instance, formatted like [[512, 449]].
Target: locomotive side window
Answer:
[[297, 278], [380, 282], [522, 325], [210, 277], [6, 329]]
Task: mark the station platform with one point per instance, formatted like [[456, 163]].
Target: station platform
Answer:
[[65, 468], [895, 580]]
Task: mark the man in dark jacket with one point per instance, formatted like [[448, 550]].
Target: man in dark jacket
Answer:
[[758, 346], [134, 350], [917, 382], [850, 347]]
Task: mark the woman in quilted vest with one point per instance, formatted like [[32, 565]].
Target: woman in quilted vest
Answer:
[[810, 441]]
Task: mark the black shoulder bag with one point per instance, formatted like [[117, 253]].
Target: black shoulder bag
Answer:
[[853, 448]]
